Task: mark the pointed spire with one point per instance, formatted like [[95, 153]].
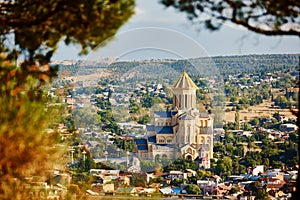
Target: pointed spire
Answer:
[[184, 81]]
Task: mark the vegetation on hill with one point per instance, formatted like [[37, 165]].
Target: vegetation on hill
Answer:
[[259, 65]]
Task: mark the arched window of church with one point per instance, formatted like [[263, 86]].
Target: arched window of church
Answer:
[[202, 140], [206, 123], [179, 105], [161, 140], [186, 100]]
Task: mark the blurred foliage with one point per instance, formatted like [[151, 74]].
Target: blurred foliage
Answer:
[[25, 145], [37, 26], [29, 33], [268, 17]]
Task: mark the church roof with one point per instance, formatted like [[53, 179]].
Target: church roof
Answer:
[[184, 81], [150, 127], [142, 147], [166, 114], [164, 129], [152, 139], [141, 144], [140, 141]]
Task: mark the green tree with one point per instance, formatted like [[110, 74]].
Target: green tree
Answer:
[[262, 195], [254, 122], [266, 162], [243, 169], [219, 148], [293, 136], [254, 187], [252, 159], [202, 174], [86, 118], [282, 102], [147, 102], [192, 189], [247, 127], [86, 164], [145, 120], [224, 165], [233, 99], [235, 166], [234, 189]]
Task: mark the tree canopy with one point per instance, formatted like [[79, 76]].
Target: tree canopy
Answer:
[[34, 27], [192, 189], [268, 17]]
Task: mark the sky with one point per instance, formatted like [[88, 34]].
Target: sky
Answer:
[[156, 32]]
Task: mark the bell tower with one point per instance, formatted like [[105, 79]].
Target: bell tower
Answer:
[[184, 92]]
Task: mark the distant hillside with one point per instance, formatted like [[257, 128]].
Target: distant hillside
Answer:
[[249, 64], [257, 63], [226, 65]]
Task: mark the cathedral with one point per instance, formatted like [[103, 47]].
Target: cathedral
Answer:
[[184, 131]]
